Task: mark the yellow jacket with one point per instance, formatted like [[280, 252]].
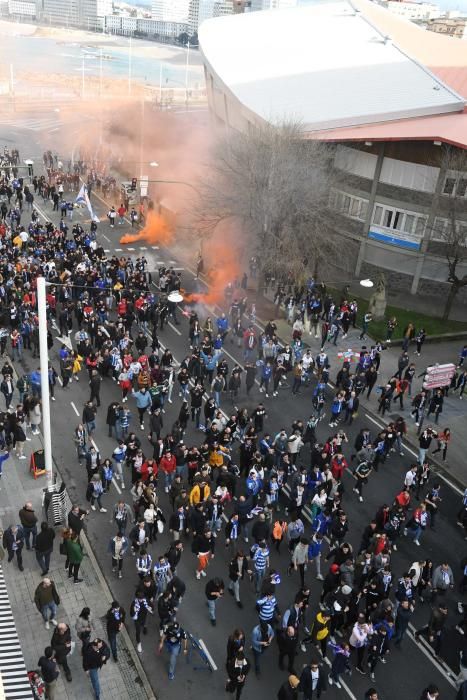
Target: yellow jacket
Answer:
[[195, 494]]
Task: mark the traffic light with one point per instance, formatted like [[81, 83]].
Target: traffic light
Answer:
[[134, 182]]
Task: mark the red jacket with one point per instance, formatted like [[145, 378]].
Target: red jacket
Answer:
[[168, 464], [338, 466]]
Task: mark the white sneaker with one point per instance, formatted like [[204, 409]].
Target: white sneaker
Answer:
[[54, 622], [103, 510], [338, 685], [203, 573], [22, 457], [198, 575], [320, 577], [142, 426], [360, 499], [330, 681], [47, 626], [417, 543], [303, 648], [53, 398], [122, 485], [139, 648], [93, 507]]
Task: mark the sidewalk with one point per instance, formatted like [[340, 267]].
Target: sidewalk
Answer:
[[454, 413], [119, 681]]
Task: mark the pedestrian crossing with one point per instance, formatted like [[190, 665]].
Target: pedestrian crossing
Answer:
[[14, 677]]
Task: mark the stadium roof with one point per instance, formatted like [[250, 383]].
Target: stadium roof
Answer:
[[336, 66]]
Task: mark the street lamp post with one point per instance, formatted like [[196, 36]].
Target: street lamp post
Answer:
[[44, 363], [186, 69]]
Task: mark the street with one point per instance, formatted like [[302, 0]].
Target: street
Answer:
[[408, 670]]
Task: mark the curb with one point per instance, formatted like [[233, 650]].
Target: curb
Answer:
[[124, 632], [102, 581]]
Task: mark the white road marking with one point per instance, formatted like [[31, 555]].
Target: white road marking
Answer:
[[74, 408], [380, 425], [142, 247], [60, 381], [172, 262], [174, 328], [426, 649], [131, 249], [210, 659], [453, 486], [106, 250], [119, 490], [155, 247], [118, 250], [106, 238]]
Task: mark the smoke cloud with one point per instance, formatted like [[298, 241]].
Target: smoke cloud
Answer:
[[156, 231]]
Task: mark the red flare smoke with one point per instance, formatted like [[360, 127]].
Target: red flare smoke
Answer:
[[226, 269], [156, 231]]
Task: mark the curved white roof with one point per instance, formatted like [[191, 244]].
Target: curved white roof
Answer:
[[325, 65]]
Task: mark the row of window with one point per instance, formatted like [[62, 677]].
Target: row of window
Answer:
[[408, 222], [354, 207], [399, 220], [441, 229]]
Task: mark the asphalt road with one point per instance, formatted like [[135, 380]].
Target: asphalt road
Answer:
[[407, 670]]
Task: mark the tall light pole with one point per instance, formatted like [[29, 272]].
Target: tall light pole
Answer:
[[129, 67], [186, 69], [44, 362]]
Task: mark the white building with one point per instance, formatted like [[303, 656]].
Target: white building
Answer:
[[413, 10], [201, 10], [171, 10], [123, 24], [25, 8]]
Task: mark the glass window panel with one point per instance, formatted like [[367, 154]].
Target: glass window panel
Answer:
[[377, 216], [409, 223], [449, 185], [387, 217]]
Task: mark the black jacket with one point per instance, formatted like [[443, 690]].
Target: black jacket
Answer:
[[95, 658], [45, 540], [306, 684]]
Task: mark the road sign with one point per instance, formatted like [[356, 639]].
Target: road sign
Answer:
[[438, 376]]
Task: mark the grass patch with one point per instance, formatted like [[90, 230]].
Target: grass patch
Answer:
[[433, 325]]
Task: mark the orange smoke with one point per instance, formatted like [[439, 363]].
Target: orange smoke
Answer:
[[223, 266], [155, 231]]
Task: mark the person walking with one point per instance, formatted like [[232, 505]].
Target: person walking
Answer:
[[289, 689], [261, 638], [358, 640], [203, 546], [172, 637], [237, 568], [435, 627], [238, 668], [403, 615], [75, 555], [287, 640], [28, 520], [13, 542], [84, 626], [214, 590], [115, 619], [139, 610], [61, 644], [312, 681], [95, 655], [46, 600], [49, 671], [118, 547], [44, 547]]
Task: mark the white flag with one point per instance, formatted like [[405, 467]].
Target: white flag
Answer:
[[83, 198]]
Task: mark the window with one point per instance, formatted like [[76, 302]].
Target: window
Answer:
[[420, 227], [377, 216], [348, 205], [449, 185], [409, 223], [387, 220], [397, 223], [461, 187]]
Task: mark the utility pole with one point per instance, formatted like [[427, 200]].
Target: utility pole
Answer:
[[186, 70], [44, 362]]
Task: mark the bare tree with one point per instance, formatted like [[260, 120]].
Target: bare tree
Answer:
[[452, 231], [277, 185]]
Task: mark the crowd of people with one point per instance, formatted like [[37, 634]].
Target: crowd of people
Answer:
[[237, 485]]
